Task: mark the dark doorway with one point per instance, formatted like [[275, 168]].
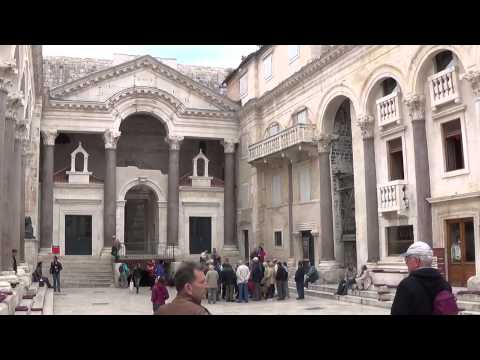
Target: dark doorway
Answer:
[[78, 235], [246, 247], [200, 234], [308, 247]]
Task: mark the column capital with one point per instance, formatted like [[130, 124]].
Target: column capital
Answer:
[[473, 77], [49, 136], [110, 137], [366, 124], [324, 143], [416, 107], [229, 145], [174, 142]]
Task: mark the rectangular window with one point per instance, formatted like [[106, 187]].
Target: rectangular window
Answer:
[[243, 85], [395, 159], [399, 239], [304, 190], [278, 238], [293, 52], [267, 67], [276, 190], [301, 117], [452, 135]]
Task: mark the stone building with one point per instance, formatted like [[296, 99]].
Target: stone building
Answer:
[[335, 153]]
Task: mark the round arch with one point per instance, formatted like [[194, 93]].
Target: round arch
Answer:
[[381, 73], [142, 181], [426, 52], [330, 104]]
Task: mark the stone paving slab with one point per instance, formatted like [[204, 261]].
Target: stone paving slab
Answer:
[[115, 301]]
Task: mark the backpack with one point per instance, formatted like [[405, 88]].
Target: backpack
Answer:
[[445, 303], [121, 269]]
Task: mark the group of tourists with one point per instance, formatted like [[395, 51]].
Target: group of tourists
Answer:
[[55, 269], [351, 281]]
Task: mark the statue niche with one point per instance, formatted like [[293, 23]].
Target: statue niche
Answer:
[[201, 181], [79, 177]]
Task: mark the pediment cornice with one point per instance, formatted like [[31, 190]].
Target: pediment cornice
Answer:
[[144, 62]]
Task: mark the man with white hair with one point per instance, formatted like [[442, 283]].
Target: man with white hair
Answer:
[[424, 291]]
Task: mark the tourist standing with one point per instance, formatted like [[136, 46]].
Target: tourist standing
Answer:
[[267, 280], [257, 276], [212, 284], [228, 279], [159, 294], [55, 268], [123, 280], [282, 279], [299, 281], [424, 291], [116, 248], [216, 258], [137, 276], [191, 284], [261, 254], [285, 284], [243, 274], [14, 260]]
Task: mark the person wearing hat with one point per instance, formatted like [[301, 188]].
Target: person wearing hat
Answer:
[[416, 293]]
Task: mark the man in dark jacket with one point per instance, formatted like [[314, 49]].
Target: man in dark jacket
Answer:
[[299, 281], [257, 276], [228, 278], [281, 277], [55, 268], [14, 260], [416, 293]]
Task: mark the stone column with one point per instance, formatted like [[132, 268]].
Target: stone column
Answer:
[[173, 193], [7, 153], [416, 111], [327, 251], [46, 215], [366, 124], [22, 201], [5, 84], [109, 187], [290, 209], [16, 192], [229, 195]]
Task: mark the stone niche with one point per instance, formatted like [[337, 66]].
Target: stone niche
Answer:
[[204, 181], [79, 177]]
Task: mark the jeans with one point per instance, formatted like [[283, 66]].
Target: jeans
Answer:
[[56, 282], [300, 290], [212, 295], [242, 290]]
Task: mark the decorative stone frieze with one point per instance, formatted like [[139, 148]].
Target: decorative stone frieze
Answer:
[[416, 107], [15, 106], [5, 84], [49, 136], [174, 142], [110, 138], [366, 124], [324, 143], [473, 77]]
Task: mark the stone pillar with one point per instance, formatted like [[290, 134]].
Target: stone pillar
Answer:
[[173, 193], [7, 229], [416, 111], [16, 193], [327, 252], [366, 124], [46, 215], [229, 195], [109, 187], [4, 86], [290, 209], [22, 203]]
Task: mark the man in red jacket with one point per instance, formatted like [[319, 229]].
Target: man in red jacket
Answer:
[[159, 294]]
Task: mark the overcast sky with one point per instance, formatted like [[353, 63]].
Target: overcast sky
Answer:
[[207, 55]]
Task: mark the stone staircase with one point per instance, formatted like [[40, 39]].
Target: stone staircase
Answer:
[[81, 271]]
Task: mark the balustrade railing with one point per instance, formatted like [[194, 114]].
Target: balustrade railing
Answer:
[[392, 196], [444, 87], [388, 109], [282, 140]]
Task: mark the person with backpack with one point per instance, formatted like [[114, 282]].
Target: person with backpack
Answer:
[[123, 280], [424, 291], [159, 294]]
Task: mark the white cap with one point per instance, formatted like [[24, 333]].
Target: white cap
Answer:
[[419, 248], [255, 258]]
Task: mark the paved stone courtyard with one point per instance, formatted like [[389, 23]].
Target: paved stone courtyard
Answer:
[[114, 301]]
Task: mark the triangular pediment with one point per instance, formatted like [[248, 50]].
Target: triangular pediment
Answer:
[[143, 72]]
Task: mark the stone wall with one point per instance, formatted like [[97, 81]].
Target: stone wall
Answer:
[[58, 70]]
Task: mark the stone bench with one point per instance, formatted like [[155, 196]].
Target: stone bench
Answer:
[[23, 308], [38, 302]]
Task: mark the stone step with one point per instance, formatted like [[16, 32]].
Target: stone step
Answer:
[[48, 303], [468, 297], [469, 313], [86, 285], [469, 305]]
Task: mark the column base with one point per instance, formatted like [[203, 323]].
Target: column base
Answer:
[[106, 252], [45, 251], [330, 272], [473, 283]]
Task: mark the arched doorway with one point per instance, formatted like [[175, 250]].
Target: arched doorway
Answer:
[[141, 221]]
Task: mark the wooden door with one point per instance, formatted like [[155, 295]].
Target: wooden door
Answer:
[[200, 234], [460, 251], [78, 235]]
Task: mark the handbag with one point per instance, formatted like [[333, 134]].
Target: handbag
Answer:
[[131, 285]]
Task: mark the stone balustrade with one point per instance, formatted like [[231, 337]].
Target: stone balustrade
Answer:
[[284, 139], [388, 109], [444, 87], [392, 197]]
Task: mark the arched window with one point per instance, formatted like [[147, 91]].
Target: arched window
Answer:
[[300, 117], [272, 129], [444, 60]]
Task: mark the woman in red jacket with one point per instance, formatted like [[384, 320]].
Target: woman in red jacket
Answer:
[[159, 294]]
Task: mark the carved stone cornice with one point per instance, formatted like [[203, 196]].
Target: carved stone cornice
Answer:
[[110, 137], [49, 136], [15, 106], [21, 131], [324, 143], [229, 145], [5, 84], [473, 77], [174, 142], [416, 107], [305, 73], [366, 124], [147, 62]]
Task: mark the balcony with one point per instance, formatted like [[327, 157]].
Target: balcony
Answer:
[[295, 135], [392, 197], [444, 87], [388, 109]]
